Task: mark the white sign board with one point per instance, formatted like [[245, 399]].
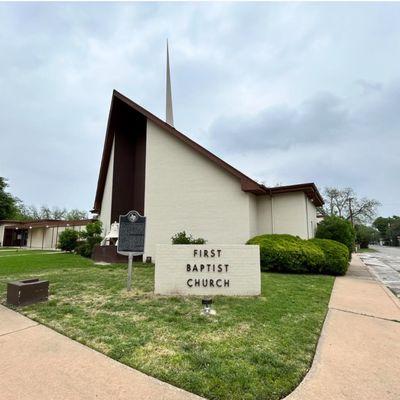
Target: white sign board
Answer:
[[226, 270]]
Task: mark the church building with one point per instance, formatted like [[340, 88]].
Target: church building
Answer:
[[149, 166]]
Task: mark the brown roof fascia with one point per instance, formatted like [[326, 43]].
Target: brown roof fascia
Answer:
[[48, 223], [247, 184], [308, 188], [105, 159]]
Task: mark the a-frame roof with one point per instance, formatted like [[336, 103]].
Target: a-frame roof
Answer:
[[247, 184]]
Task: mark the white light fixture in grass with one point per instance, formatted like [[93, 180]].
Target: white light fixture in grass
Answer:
[[207, 310]]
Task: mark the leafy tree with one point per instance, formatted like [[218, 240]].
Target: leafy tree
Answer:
[[345, 203], [366, 235], [76, 214], [389, 229], [8, 203], [68, 240], [45, 212], [336, 228], [59, 213], [91, 236]]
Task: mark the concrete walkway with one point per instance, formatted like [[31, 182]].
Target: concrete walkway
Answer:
[[358, 354], [38, 363]]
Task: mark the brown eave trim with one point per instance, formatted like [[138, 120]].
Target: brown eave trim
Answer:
[[105, 160], [308, 188], [247, 184], [48, 223]]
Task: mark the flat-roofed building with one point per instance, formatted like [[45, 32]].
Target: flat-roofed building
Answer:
[[38, 234]]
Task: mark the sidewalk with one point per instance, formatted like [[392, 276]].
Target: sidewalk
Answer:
[[38, 363], [358, 354]]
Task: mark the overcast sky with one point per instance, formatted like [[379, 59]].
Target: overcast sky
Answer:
[[287, 93]]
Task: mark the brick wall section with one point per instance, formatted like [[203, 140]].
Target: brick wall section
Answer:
[[171, 274]]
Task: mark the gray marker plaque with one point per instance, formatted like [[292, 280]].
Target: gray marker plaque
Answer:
[[132, 228]]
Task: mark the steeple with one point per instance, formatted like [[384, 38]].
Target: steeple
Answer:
[[169, 116]]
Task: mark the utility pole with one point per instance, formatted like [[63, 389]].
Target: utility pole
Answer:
[[351, 211]]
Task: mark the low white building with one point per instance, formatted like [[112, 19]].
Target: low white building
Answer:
[[150, 167], [40, 234]]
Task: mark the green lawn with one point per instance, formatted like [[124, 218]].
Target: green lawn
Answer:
[[254, 348]]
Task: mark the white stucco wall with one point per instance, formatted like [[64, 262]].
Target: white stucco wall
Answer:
[[312, 217], [253, 215], [186, 191], [105, 212], [264, 217], [289, 214], [1, 235], [51, 235]]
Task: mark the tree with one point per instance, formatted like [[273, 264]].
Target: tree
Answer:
[[337, 228], [45, 212], [76, 214], [389, 229], [8, 203], [366, 235], [91, 237], [345, 203]]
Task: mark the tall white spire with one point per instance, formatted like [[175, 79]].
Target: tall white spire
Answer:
[[169, 115]]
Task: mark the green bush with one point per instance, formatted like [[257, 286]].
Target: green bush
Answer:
[[287, 253], [67, 240], [184, 238], [336, 256], [339, 229], [89, 238]]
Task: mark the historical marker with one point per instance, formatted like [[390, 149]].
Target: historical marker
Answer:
[[132, 227]]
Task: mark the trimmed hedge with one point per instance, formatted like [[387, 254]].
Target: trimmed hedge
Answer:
[[287, 253], [336, 256]]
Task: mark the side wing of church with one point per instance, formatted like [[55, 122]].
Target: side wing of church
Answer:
[[150, 167]]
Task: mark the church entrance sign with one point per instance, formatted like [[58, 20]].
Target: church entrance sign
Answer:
[[131, 234], [208, 270]]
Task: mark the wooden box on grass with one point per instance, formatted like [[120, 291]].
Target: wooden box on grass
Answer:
[[27, 291]]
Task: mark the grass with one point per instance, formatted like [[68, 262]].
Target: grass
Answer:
[[254, 348], [367, 251]]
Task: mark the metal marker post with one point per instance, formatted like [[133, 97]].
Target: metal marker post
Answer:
[[129, 284]]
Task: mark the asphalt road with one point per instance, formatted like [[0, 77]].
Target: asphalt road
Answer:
[[385, 266]]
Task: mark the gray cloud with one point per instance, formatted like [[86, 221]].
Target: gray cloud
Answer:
[[332, 141], [322, 118]]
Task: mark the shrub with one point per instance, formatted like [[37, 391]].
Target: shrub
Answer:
[[336, 256], [287, 253], [68, 240], [184, 238], [339, 229], [90, 237]]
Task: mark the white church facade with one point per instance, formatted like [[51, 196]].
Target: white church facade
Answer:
[[149, 166]]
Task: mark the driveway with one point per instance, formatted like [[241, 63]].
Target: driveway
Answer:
[[385, 266]]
